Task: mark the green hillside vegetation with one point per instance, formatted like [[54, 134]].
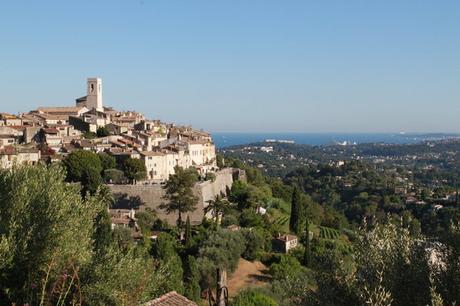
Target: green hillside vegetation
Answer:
[[362, 246]]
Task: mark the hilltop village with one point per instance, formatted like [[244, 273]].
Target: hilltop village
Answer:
[[272, 222], [50, 133]]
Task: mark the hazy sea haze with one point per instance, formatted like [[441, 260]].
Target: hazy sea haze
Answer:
[[223, 139]]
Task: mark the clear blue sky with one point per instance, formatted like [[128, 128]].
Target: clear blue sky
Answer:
[[242, 65]]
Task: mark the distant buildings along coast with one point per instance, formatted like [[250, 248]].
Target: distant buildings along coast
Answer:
[[279, 141]]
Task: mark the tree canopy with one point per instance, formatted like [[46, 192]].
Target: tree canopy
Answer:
[[55, 245], [179, 192], [78, 164], [46, 227], [134, 169]]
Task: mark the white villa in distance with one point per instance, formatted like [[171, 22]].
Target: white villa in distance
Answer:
[[161, 146]]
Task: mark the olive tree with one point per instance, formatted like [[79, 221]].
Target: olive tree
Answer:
[[46, 232]]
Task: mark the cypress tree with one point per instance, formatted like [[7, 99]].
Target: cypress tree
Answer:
[[306, 254], [294, 220], [103, 232], [188, 233], [191, 279]]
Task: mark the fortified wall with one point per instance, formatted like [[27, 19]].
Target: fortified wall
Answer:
[[140, 197]]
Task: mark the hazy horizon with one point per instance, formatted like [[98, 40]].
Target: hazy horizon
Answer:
[[242, 66]]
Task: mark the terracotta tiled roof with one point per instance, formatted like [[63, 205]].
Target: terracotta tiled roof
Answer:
[[8, 150], [18, 127], [28, 150], [7, 136], [152, 153], [198, 141], [171, 299], [50, 131], [121, 220], [47, 116], [60, 109]]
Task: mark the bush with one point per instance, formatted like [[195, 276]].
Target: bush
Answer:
[[287, 267], [269, 258], [253, 298], [114, 176], [46, 230], [210, 177], [123, 278], [77, 162], [255, 242], [249, 218], [107, 161], [102, 131], [145, 221], [229, 220], [134, 169], [222, 249], [165, 250]]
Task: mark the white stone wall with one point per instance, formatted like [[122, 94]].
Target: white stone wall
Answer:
[[156, 167], [29, 158], [196, 153]]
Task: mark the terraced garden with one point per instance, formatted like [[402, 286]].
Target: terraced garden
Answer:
[[282, 220], [328, 233]]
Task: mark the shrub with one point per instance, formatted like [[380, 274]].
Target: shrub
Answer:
[[114, 176], [254, 243], [221, 250], [253, 298]]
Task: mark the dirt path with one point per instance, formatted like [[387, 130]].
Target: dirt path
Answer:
[[248, 274]]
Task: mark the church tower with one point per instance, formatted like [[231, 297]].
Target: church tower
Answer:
[[94, 96]]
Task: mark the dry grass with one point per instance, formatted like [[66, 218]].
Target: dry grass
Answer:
[[248, 274]]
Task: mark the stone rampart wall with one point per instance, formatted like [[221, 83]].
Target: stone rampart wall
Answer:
[[140, 197]]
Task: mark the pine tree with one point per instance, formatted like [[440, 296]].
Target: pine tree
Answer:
[[188, 233], [294, 220], [307, 251], [179, 193]]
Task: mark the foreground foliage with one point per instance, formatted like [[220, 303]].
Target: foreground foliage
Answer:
[[48, 251]]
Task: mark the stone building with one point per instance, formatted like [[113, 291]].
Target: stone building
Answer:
[[10, 156], [285, 243], [93, 98]]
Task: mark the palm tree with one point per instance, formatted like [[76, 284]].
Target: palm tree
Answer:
[[217, 206]]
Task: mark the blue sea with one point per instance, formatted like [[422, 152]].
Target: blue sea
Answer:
[[230, 139]]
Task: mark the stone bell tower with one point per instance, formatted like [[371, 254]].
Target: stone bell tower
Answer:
[[94, 94]]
